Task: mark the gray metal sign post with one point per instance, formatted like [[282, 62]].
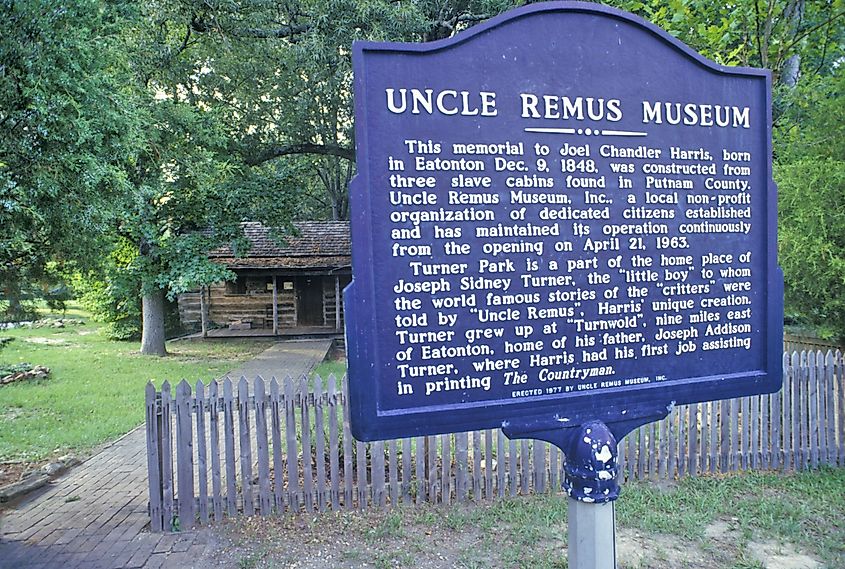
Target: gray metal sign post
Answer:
[[591, 472], [590, 482], [591, 535]]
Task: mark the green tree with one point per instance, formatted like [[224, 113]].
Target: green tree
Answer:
[[803, 44], [65, 127], [242, 102], [792, 38], [282, 74], [187, 191], [811, 181]]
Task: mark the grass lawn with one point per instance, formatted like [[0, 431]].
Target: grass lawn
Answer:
[[95, 391], [743, 521], [328, 368]]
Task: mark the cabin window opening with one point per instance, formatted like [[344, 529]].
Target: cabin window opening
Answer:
[[237, 286], [249, 285]]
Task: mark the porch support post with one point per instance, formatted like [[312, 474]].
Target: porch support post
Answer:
[[275, 306], [337, 302], [203, 311]]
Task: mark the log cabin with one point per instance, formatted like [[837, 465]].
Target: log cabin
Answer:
[[282, 289]]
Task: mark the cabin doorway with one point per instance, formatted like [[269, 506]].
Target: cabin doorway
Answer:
[[309, 301]]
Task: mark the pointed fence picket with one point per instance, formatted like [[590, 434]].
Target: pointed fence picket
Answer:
[[263, 447]]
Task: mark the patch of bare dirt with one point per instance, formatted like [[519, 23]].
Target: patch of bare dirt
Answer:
[[635, 550], [723, 535], [774, 555], [345, 540], [11, 472], [719, 530], [45, 341]]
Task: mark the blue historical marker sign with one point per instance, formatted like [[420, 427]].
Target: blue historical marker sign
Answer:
[[562, 215]]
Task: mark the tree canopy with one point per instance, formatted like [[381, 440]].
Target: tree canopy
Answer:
[[156, 128], [65, 127]]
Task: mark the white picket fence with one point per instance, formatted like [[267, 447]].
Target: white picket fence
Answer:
[[263, 447]]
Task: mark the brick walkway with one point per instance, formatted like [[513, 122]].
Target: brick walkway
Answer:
[[95, 517]]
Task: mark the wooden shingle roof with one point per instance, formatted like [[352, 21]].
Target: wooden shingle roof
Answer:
[[318, 245]]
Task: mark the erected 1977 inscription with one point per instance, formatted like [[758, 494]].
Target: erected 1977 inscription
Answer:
[[562, 211]]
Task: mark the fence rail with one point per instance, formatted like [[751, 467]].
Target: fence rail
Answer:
[[259, 447], [798, 343]]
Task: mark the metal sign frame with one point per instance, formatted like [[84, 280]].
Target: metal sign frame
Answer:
[[371, 351]]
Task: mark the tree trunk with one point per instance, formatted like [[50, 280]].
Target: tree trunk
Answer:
[[792, 66], [152, 332], [204, 311], [15, 311]]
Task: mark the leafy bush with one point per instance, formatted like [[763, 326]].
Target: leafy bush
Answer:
[[812, 241], [112, 304], [113, 296], [810, 173]]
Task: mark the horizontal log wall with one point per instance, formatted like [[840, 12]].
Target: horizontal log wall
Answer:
[[225, 308], [189, 309], [268, 447], [228, 308]]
